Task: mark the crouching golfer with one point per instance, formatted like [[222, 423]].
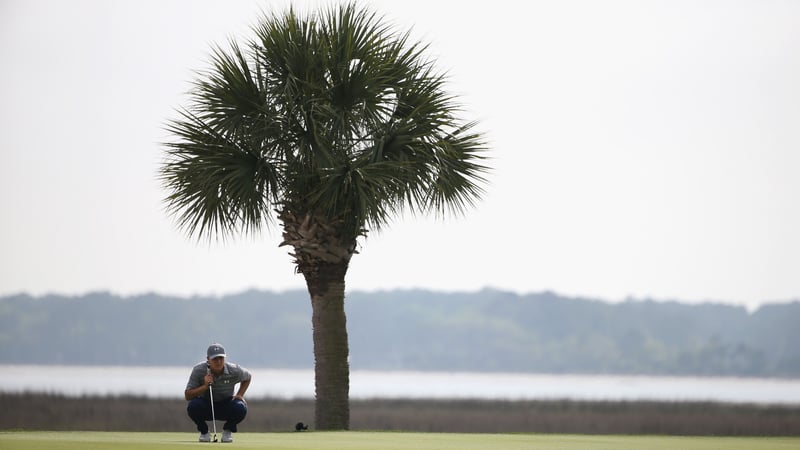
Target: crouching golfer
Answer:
[[215, 378]]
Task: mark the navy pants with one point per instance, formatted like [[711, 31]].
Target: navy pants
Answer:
[[230, 410]]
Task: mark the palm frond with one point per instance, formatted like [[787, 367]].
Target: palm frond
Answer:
[[218, 186]]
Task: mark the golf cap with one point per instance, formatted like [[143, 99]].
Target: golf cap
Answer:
[[215, 351]]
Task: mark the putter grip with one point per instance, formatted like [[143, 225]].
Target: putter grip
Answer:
[[208, 372]]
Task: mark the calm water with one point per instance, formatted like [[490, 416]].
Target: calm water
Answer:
[[171, 381]]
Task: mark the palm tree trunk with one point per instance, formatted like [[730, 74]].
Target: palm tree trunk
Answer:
[[332, 370]]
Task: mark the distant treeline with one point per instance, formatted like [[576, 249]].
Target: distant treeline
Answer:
[[488, 330]]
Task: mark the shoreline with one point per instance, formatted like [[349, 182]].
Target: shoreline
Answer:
[[168, 382]]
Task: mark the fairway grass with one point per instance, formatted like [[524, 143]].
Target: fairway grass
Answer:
[[72, 440]]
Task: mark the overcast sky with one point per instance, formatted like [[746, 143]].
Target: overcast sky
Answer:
[[644, 149]]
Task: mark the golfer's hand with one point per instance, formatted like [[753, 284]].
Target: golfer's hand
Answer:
[[209, 379], [240, 397]]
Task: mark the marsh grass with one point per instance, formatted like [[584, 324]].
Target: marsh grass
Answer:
[[26, 411]]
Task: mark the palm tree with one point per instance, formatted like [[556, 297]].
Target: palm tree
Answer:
[[333, 124]]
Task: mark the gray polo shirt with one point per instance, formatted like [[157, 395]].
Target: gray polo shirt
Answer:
[[222, 385]]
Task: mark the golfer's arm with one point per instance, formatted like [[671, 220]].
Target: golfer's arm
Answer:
[[243, 387], [194, 392]]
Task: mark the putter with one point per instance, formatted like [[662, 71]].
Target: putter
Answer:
[[211, 395], [213, 419]]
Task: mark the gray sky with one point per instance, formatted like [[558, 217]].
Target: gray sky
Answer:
[[641, 148]]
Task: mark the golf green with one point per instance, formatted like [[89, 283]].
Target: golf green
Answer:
[[72, 440]]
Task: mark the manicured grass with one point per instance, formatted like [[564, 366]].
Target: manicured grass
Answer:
[[72, 440]]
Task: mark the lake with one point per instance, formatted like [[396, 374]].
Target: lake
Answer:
[[285, 383]]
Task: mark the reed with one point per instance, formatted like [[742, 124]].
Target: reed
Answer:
[[27, 411]]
